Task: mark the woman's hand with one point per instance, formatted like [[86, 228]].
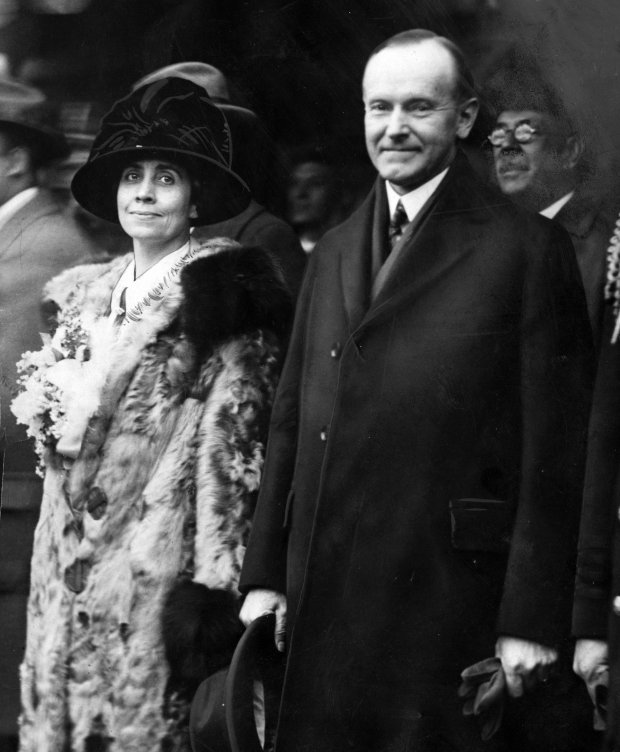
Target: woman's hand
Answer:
[[259, 602]]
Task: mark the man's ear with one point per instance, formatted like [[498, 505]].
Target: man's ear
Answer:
[[467, 113], [193, 212], [19, 161], [572, 151]]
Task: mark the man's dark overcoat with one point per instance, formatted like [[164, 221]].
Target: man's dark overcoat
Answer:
[[590, 229], [596, 613], [467, 377]]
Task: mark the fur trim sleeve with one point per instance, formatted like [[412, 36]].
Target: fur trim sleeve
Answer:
[[233, 292], [200, 628]]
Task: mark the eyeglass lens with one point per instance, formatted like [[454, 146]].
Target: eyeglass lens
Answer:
[[522, 133]]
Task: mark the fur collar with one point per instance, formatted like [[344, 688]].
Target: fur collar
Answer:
[[231, 293], [226, 290], [223, 291]]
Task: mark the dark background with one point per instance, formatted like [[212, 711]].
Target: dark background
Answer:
[[298, 63]]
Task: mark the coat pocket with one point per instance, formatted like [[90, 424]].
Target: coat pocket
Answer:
[[481, 525]]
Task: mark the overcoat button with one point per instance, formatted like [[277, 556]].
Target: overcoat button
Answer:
[[96, 502], [616, 605], [324, 433], [336, 350], [76, 575]]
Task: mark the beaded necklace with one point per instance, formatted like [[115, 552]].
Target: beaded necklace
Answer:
[[612, 284]]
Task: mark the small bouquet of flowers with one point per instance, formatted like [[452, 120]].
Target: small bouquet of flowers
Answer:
[[50, 379]]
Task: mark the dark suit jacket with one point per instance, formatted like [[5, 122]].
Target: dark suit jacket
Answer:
[[467, 377], [257, 226], [590, 230]]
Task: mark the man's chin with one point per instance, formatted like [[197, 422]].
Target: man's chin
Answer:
[[513, 181]]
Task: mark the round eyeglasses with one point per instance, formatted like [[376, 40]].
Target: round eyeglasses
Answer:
[[522, 133]]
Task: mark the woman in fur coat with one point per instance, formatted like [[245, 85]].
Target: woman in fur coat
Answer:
[[149, 406]]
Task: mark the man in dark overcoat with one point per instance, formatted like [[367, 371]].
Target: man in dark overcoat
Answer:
[[420, 497], [541, 162]]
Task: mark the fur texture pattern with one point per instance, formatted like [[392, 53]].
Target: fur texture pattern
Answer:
[[152, 517]]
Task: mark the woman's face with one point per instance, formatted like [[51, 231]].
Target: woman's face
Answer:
[[154, 203]]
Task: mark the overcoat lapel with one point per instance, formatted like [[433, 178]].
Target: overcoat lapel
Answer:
[[407, 239], [428, 249], [355, 261]]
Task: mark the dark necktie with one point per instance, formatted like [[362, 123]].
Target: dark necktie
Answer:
[[121, 310], [398, 222]]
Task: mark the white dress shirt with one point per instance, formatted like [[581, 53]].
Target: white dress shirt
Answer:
[[555, 207], [414, 200]]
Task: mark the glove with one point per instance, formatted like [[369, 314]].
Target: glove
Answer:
[[484, 691]]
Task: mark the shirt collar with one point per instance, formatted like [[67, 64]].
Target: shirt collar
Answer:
[[10, 208], [554, 208], [138, 288], [414, 200]]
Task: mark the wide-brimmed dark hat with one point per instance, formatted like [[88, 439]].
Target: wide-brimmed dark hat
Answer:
[[222, 717], [254, 155], [25, 110], [172, 118]]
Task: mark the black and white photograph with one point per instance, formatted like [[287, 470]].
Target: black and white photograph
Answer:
[[309, 376]]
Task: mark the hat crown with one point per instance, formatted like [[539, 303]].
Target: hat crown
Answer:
[[174, 120], [171, 114]]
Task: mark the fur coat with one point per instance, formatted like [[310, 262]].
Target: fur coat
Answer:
[[141, 537]]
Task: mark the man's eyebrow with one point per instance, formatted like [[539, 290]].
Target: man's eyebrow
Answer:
[[527, 121]]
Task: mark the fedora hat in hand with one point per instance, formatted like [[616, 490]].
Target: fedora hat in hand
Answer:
[[25, 110], [170, 118], [222, 717]]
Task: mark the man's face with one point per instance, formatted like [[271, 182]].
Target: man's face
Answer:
[[412, 117], [530, 171], [310, 194]]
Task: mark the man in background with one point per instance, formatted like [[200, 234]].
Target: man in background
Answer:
[[315, 200], [540, 163]]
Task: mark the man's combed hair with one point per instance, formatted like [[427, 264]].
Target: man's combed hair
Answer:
[[465, 85]]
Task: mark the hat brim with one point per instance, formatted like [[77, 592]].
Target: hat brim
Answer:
[[255, 658], [52, 144], [95, 184]]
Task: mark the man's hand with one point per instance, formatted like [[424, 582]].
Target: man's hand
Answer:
[[523, 662], [259, 602], [590, 662]]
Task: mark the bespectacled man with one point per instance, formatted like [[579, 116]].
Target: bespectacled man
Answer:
[[540, 163]]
